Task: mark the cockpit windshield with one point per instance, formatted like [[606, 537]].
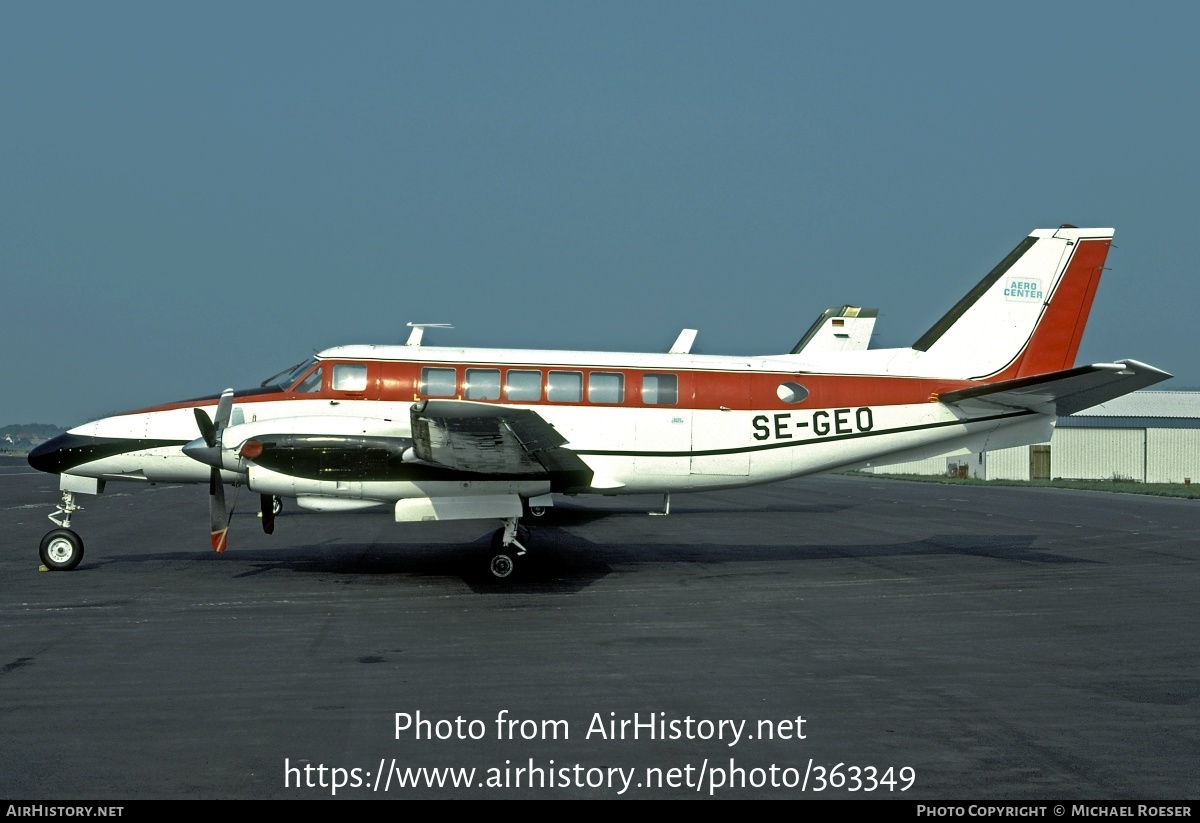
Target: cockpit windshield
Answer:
[[290, 375]]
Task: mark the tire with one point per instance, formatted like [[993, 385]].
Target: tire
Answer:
[[501, 566], [277, 505], [61, 550], [500, 563], [537, 511]]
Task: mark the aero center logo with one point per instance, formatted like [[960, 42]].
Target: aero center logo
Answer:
[[1024, 290]]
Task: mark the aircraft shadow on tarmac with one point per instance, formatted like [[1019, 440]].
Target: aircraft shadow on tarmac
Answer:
[[560, 562]]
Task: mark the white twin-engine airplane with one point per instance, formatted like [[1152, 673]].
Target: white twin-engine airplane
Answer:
[[476, 434]]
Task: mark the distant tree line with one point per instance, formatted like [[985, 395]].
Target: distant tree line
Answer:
[[20, 437]]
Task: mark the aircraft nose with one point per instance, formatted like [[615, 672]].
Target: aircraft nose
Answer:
[[51, 456]]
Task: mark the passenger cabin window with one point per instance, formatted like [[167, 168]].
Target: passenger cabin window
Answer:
[[312, 383], [564, 386], [606, 387], [523, 385], [350, 377], [483, 384], [438, 382], [660, 389]]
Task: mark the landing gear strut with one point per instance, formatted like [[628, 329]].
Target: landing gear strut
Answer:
[[61, 548], [501, 558]]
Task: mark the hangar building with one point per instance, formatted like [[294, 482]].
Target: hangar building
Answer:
[[1147, 436]]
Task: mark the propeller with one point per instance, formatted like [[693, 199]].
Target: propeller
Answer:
[[210, 453], [209, 449], [267, 503]]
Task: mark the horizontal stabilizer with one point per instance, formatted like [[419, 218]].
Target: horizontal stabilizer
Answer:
[[1060, 392]]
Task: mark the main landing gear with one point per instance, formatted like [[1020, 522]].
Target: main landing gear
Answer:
[[61, 548], [508, 543]]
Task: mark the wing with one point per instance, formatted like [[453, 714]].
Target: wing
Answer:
[[1060, 392], [480, 437]]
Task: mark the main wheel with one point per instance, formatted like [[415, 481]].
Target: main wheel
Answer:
[[500, 558], [537, 511], [61, 550], [501, 565], [277, 504]]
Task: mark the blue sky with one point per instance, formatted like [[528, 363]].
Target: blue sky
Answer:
[[194, 196]]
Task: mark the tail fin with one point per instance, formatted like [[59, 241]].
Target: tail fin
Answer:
[[1027, 316]]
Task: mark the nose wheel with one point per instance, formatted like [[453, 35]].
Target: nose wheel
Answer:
[[61, 550]]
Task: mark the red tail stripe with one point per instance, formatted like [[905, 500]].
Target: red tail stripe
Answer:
[[1055, 341]]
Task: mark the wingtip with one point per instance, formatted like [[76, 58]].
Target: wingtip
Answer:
[[1139, 367]]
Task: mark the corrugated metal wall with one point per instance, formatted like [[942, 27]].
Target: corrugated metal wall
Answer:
[[1098, 454], [932, 465], [1138, 451], [1007, 464], [1145, 455], [1172, 455]]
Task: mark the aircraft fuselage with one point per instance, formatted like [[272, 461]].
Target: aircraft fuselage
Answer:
[[642, 423]]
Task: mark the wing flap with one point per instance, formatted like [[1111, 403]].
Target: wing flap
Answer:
[[1061, 392], [480, 437]]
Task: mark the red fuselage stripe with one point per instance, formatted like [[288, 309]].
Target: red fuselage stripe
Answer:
[[397, 381]]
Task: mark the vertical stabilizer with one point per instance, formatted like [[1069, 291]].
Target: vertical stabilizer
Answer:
[[1027, 315]]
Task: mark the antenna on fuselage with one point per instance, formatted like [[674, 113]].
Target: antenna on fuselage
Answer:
[[683, 343], [418, 331]]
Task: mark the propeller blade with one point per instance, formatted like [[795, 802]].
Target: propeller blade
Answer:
[[224, 410], [217, 516], [268, 512], [207, 430], [211, 431]]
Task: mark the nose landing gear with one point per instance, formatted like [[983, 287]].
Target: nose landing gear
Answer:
[[62, 549]]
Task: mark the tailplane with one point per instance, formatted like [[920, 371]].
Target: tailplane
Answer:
[[1059, 393]]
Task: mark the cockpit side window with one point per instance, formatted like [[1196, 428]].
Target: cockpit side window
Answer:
[[312, 383], [350, 377]]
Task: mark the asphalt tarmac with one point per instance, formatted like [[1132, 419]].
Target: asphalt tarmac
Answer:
[[938, 642]]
